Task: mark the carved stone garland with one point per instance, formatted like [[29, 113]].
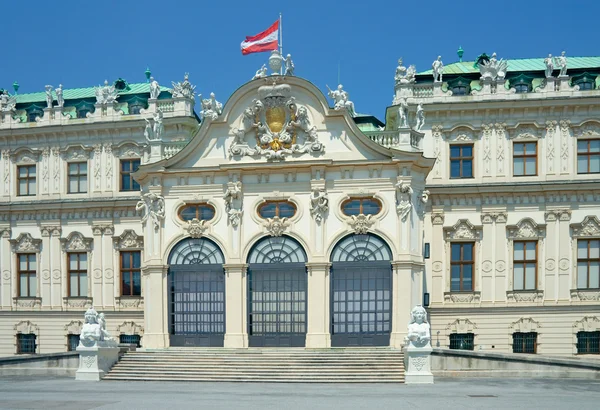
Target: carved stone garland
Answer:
[[25, 243], [279, 124], [128, 240]]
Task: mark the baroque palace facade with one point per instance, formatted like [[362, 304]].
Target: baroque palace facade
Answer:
[[275, 220]]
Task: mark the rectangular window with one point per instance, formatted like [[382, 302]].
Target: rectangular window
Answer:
[[78, 177], [462, 341], [26, 180], [525, 342], [461, 161], [588, 264], [128, 167], [72, 342], [130, 339], [131, 284], [77, 270], [461, 265], [525, 265], [26, 343], [588, 342], [588, 156], [26, 271], [524, 158]]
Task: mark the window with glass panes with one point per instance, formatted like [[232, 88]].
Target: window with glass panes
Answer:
[[281, 209], [588, 342], [525, 265], [461, 161], [462, 341], [128, 167], [461, 266], [26, 264], [524, 158], [72, 342], [131, 283], [588, 156], [130, 339], [357, 206], [525, 342], [201, 212], [78, 177], [78, 278], [588, 263], [26, 180], [26, 343]]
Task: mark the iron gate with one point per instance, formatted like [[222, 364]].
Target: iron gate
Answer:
[[277, 291], [361, 292], [196, 294]]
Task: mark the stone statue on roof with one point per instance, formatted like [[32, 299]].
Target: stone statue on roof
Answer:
[[549, 61], [59, 96], [289, 65], [420, 117], [106, 94], [49, 97], [438, 70], [183, 89], [493, 69], [404, 75], [561, 62], [154, 88], [260, 73], [7, 102], [341, 99], [403, 113], [210, 108]]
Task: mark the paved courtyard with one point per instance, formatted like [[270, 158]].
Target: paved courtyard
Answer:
[[68, 394]]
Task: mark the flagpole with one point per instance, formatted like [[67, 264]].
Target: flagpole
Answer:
[[280, 43]]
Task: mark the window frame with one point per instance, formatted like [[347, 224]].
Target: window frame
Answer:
[[524, 157], [588, 154], [276, 203], [588, 260], [524, 342], [28, 178], [461, 263], [123, 174], [360, 206], [469, 335], [525, 262], [19, 345], [595, 347], [79, 272], [131, 271], [78, 175], [69, 336], [461, 160], [28, 272], [197, 206]]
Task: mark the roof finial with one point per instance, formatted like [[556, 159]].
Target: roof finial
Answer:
[[16, 87], [148, 74], [460, 53]]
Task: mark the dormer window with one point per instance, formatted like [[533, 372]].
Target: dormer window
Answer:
[[33, 113], [460, 86], [521, 83], [585, 81], [121, 84], [522, 88]]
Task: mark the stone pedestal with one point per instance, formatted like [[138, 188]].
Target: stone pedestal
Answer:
[[437, 89], [96, 361], [418, 365], [563, 82], [155, 151]]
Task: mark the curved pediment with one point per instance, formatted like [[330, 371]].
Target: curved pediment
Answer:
[[275, 119]]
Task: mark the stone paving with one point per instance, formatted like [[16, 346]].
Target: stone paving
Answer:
[[67, 394]]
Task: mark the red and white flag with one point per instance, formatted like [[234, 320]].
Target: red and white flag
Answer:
[[265, 41]]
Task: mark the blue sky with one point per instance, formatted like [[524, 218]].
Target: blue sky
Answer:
[[80, 44]]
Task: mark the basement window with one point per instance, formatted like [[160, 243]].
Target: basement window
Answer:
[[462, 341]]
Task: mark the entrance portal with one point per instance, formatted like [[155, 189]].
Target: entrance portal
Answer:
[[196, 294], [277, 284], [361, 287]]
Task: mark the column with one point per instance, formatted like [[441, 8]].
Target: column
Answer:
[[154, 276], [564, 255], [552, 243], [500, 255], [236, 305], [405, 284], [487, 267], [437, 257], [318, 316], [107, 273], [44, 282], [96, 267], [5, 263]]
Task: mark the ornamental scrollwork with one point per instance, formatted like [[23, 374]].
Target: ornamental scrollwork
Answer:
[[361, 223], [25, 243], [589, 227], [319, 203], [233, 202], [76, 242], [196, 228], [276, 226], [152, 207]]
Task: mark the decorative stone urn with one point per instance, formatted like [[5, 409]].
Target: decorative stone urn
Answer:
[[418, 349], [275, 61]]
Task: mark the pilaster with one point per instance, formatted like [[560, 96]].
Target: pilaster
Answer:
[[96, 287], [318, 315], [5, 263], [552, 250], [437, 256], [52, 285], [501, 255], [236, 305], [564, 255], [154, 281], [108, 276], [487, 256], [407, 291]]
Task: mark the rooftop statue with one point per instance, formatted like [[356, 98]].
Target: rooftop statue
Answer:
[[341, 99], [154, 132], [289, 65], [59, 96], [549, 61], [154, 88], [420, 117], [404, 75], [210, 108], [49, 97], [403, 113], [493, 69], [561, 62], [106, 94], [419, 334], [7, 102], [261, 72], [183, 89], [94, 329], [438, 70]]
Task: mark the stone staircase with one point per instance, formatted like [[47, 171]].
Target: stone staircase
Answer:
[[284, 365]]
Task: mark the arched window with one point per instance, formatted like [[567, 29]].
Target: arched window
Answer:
[[282, 209], [357, 206], [280, 249], [202, 212], [360, 248], [196, 251]]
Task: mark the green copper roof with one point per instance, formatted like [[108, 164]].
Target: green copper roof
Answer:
[[520, 64], [77, 93]]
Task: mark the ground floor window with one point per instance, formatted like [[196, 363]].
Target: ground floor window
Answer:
[[462, 341], [588, 342], [26, 343], [525, 342], [130, 339], [72, 342]]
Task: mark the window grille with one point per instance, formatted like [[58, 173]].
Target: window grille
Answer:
[[588, 342], [525, 342], [72, 342], [462, 341], [26, 343], [130, 339]]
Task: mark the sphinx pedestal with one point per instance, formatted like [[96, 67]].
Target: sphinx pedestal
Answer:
[[418, 365], [96, 361]]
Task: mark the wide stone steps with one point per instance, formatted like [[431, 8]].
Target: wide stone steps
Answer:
[[262, 365]]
